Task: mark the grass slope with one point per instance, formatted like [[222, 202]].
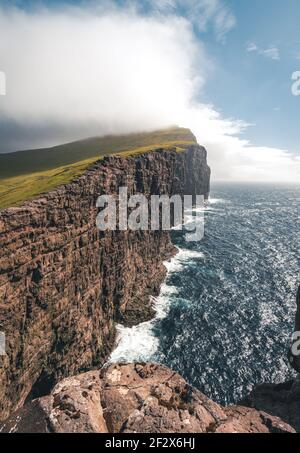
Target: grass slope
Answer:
[[25, 174]]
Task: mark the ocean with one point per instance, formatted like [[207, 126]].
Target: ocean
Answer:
[[226, 310]]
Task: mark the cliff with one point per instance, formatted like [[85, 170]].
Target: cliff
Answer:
[[135, 398], [63, 284], [150, 398]]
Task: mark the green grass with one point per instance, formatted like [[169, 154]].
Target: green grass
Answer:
[[147, 149], [14, 191], [25, 174]]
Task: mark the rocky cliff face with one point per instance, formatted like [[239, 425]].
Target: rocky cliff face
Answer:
[[63, 284], [135, 398]]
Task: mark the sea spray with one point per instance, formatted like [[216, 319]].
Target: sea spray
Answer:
[[140, 343]]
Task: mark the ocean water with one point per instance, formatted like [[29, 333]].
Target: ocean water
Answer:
[[226, 311]]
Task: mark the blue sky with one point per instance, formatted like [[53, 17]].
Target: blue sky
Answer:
[[253, 86], [248, 51]]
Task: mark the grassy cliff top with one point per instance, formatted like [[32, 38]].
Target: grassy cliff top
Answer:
[[25, 174]]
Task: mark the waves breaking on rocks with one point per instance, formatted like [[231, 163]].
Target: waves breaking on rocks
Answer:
[[140, 343]]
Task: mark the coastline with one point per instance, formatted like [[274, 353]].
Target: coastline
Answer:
[[139, 343], [129, 336]]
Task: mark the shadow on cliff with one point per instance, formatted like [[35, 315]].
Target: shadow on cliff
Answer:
[[42, 387]]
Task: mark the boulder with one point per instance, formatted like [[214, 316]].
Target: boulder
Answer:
[[135, 398]]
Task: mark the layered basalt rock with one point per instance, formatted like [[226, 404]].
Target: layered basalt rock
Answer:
[[139, 398], [63, 284]]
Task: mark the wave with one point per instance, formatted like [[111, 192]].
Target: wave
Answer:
[[217, 201], [134, 344], [139, 343]]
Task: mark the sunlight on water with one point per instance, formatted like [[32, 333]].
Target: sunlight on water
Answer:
[[226, 311]]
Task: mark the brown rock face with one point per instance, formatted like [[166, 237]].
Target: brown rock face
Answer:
[[142, 398], [63, 284], [73, 406]]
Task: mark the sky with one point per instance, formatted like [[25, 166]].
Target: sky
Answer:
[[223, 68]]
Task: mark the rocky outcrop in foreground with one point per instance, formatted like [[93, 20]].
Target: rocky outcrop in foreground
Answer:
[[135, 398]]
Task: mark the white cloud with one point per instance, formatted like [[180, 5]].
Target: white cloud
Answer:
[[252, 47], [210, 12], [118, 70], [236, 159], [223, 18], [271, 52], [204, 14], [71, 74]]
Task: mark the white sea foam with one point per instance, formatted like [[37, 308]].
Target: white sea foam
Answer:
[[217, 201], [190, 218], [139, 343], [185, 255], [182, 258], [134, 344]]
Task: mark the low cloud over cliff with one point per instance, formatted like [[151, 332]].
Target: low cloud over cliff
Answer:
[[74, 72]]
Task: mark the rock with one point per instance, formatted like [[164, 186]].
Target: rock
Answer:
[[73, 406], [135, 398], [64, 285], [76, 405], [281, 400], [244, 420], [152, 398]]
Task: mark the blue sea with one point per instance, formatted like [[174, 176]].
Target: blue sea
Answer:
[[226, 311]]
